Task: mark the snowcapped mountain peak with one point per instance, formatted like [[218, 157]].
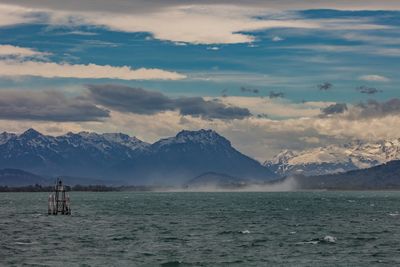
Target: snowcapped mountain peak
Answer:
[[30, 133], [203, 137], [102, 141], [335, 158], [126, 140], [283, 157]]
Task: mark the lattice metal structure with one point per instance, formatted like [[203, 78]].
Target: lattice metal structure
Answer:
[[59, 200]]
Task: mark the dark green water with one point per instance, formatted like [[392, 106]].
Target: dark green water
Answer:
[[203, 229]]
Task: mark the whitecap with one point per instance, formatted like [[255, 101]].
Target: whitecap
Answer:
[[394, 214], [330, 239], [24, 243], [245, 232], [326, 240]]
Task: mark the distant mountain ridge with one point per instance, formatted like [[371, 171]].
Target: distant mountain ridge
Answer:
[[109, 156], [382, 177], [335, 158], [14, 177]]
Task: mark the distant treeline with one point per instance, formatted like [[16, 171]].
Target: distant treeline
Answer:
[[83, 188]]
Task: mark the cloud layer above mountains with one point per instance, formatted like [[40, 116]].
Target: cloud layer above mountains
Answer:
[[47, 106], [140, 101]]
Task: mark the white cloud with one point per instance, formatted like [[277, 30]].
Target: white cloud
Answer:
[[196, 24], [12, 15], [374, 78], [145, 7], [277, 39], [14, 68], [206, 23], [215, 48], [20, 52]]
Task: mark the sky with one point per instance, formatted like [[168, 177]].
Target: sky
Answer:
[[268, 75]]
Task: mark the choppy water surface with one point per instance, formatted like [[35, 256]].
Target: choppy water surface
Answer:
[[203, 229]]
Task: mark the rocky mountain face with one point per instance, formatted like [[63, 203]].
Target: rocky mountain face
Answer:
[[335, 158], [118, 156]]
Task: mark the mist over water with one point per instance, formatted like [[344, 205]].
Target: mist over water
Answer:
[[286, 185], [203, 229]]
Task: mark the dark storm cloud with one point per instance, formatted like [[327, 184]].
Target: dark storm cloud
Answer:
[[129, 99], [274, 94], [325, 86], [140, 101], [249, 90], [368, 90], [364, 110], [47, 106], [373, 108], [198, 107], [334, 109], [262, 116]]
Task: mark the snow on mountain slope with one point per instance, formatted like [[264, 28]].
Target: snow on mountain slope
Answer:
[[201, 137], [4, 137], [335, 158]]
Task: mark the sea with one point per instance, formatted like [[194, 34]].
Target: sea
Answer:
[[203, 229]]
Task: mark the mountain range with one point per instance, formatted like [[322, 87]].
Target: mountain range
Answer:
[[119, 157], [335, 158], [191, 159]]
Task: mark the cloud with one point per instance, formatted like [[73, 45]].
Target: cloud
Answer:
[[371, 109], [359, 49], [89, 71], [7, 51], [192, 23], [325, 86], [198, 107], [261, 138], [249, 90], [281, 108], [47, 106], [11, 15], [368, 90], [188, 22], [374, 78], [334, 109], [171, 21], [376, 109], [140, 101], [274, 94], [277, 39], [147, 7]]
